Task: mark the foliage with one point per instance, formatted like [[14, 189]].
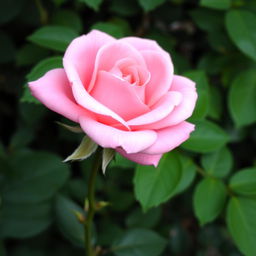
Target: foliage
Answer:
[[201, 200]]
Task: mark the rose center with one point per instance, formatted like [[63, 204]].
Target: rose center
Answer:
[[126, 69]]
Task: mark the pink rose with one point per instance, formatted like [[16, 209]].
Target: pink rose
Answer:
[[123, 93]]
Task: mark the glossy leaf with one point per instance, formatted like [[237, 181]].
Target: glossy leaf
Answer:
[[154, 186], [188, 173], [244, 182], [240, 25], [241, 98], [94, 4], [202, 87], [30, 54], [144, 220], [207, 19], [218, 163], [53, 37], [207, 137], [121, 162], [67, 220], [139, 242], [34, 177], [68, 18], [216, 4], [149, 5], [21, 220], [109, 28], [40, 69], [209, 199], [241, 222]]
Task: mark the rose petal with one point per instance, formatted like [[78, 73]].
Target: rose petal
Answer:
[[118, 95], [160, 110], [161, 71], [54, 91], [141, 158], [170, 138], [185, 109], [143, 44], [82, 53], [109, 54], [109, 137], [84, 99]]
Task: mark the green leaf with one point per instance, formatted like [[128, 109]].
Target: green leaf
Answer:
[[21, 138], [43, 66], [39, 70], [216, 102], [67, 220], [159, 182], [112, 29], [244, 182], [77, 189], [124, 7], [207, 137], [209, 199], [120, 161], [94, 4], [188, 173], [107, 156], [207, 19], [53, 37], [219, 163], [34, 177], [22, 220], [84, 150], [139, 242], [241, 98], [202, 87], [68, 18], [240, 25], [149, 5], [216, 4], [144, 220], [241, 223], [30, 54]]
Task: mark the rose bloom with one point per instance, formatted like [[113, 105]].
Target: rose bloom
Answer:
[[123, 93]]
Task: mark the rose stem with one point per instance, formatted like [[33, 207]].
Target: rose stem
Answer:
[[91, 203]]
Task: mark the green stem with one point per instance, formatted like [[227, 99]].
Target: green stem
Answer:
[[91, 203]]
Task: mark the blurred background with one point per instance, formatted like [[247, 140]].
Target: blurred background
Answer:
[[211, 41]]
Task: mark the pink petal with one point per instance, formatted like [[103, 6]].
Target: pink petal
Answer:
[[110, 54], [118, 95], [141, 158], [170, 138], [82, 53], [109, 137], [53, 90], [84, 99], [161, 71], [142, 44], [185, 109], [160, 110]]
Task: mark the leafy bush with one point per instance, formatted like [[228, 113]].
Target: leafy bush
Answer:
[[201, 200]]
